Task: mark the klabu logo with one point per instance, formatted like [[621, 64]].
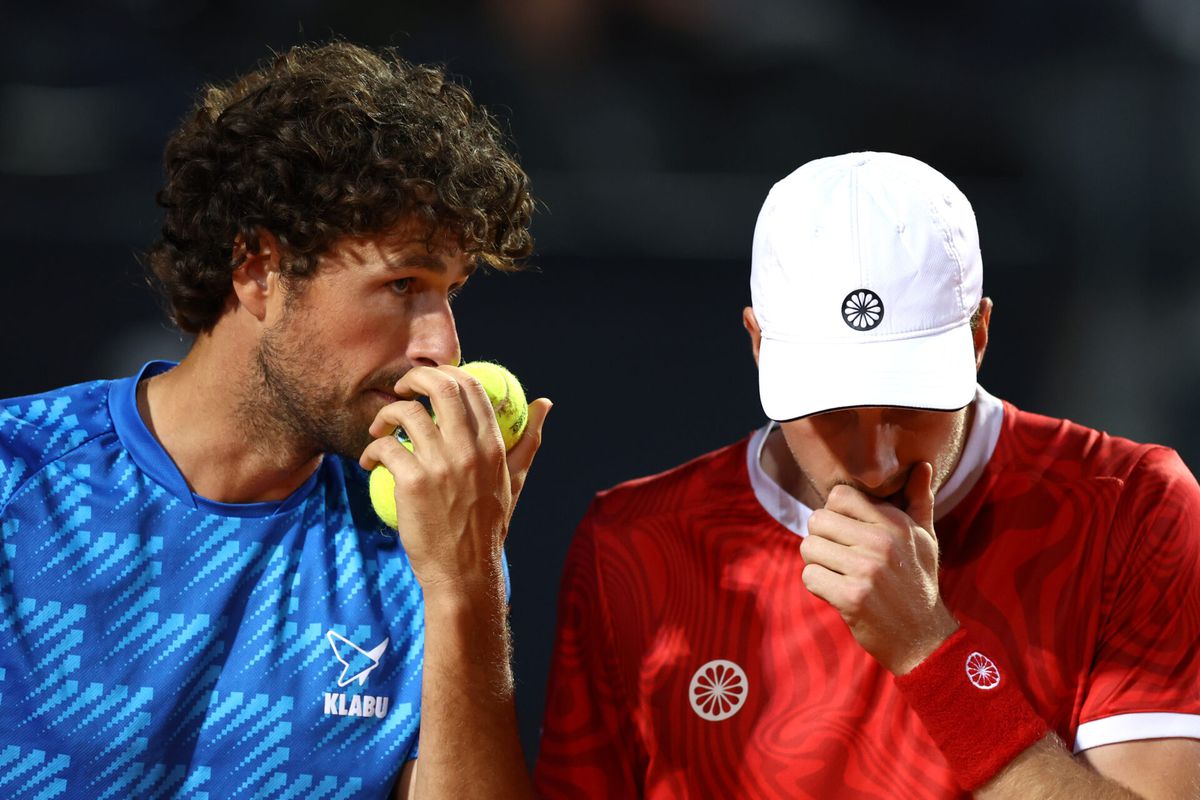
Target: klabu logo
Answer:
[[357, 665]]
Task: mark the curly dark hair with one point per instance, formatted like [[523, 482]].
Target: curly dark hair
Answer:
[[321, 143]]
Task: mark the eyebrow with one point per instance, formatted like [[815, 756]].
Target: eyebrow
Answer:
[[428, 261]]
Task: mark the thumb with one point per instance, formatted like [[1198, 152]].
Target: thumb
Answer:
[[918, 492], [520, 458]]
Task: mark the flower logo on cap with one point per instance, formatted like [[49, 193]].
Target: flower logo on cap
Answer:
[[862, 309]]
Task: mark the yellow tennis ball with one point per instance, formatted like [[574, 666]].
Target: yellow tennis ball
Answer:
[[507, 396], [383, 495], [512, 412]]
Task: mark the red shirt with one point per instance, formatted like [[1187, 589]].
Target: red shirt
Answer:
[[691, 661]]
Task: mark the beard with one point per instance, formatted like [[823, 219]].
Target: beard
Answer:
[[296, 401]]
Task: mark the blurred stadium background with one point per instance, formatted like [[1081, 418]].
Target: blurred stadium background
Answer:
[[653, 130]]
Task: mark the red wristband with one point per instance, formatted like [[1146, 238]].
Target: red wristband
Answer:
[[973, 709]]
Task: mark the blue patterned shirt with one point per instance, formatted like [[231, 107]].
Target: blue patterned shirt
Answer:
[[159, 644]]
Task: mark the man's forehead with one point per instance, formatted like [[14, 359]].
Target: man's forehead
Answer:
[[436, 261], [411, 234], [411, 247]]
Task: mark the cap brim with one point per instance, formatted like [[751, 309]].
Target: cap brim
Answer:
[[934, 372]]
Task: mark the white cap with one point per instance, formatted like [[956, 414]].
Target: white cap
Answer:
[[865, 273]]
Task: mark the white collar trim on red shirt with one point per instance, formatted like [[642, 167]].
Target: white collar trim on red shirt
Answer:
[[981, 443]]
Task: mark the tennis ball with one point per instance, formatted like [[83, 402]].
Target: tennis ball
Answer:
[[383, 495], [512, 412], [507, 396]]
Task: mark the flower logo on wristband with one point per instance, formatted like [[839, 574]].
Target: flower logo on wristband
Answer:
[[982, 672]]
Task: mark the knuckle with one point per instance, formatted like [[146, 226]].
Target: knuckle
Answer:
[[491, 456], [894, 548], [878, 541], [447, 387], [410, 480], [410, 409], [472, 384], [821, 519], [872, 570], [467, 459], [806, 548], [383, 449], [437, 474], [412, 376]]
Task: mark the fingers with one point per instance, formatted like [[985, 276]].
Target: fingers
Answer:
[[408, 415], [830, 586], [836, 526], [858, 543], [851, 502], [459, 402], [520, 458], [387, 451], [918, 492], [478, 408], [827, 553], [465, 418], [447, 395]]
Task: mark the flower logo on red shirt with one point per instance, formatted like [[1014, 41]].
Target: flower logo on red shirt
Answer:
[[718, 690]]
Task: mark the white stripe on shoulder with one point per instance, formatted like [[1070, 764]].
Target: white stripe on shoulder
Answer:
[[1135, 727]]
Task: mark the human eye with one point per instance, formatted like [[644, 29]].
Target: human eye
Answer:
[[455, 291], [832, 423], [402, 285]]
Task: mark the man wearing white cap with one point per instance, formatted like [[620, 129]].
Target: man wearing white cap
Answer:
[[974, 585]]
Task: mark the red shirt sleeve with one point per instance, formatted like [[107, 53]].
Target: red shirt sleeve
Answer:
[[1148, 654], [589, 746]]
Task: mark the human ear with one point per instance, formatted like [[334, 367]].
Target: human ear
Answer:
[[980, 333], [256, 276], [750, 323]]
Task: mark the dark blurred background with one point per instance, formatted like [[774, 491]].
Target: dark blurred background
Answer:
[[653, 129]]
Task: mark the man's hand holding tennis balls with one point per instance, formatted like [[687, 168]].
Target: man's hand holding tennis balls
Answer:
[[456, 487], [455, 492]]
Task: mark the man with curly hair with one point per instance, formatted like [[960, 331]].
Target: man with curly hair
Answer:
[[199, 600]]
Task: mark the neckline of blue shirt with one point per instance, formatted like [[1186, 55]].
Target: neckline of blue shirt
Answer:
[[150, 456]]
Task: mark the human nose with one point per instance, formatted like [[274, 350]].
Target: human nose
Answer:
[[433, 336], [875, 463]]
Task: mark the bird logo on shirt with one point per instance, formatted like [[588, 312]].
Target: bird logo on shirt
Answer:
[[357, 663]]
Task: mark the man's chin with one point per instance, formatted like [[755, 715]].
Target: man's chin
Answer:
[[352, 436]]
